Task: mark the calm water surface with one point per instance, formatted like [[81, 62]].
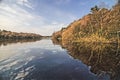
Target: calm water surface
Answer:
[[42, 60]]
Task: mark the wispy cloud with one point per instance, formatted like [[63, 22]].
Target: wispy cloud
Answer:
[[12, 16], [18, 15], [25, 3]]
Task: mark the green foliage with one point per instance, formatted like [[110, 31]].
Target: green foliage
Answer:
[[95, 9]]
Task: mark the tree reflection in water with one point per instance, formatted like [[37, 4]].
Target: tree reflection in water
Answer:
[[103, 59], [7, 42]]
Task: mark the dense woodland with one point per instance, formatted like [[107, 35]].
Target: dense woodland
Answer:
[[94, 40], [8, 35], [101, 25]]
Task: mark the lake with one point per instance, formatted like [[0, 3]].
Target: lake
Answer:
[[43, 60]]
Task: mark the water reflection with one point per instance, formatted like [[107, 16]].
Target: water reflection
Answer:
[[7, 42], [103, 59], [41, 60]]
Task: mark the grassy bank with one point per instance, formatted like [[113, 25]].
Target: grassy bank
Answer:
[[100, 26], [96, 39]]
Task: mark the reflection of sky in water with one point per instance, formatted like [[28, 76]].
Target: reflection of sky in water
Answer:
[[40, 60], [10, 50]]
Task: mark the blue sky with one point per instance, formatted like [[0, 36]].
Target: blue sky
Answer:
[[44, 16]]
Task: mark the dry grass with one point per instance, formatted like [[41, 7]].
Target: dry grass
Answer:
[[93, 38]]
